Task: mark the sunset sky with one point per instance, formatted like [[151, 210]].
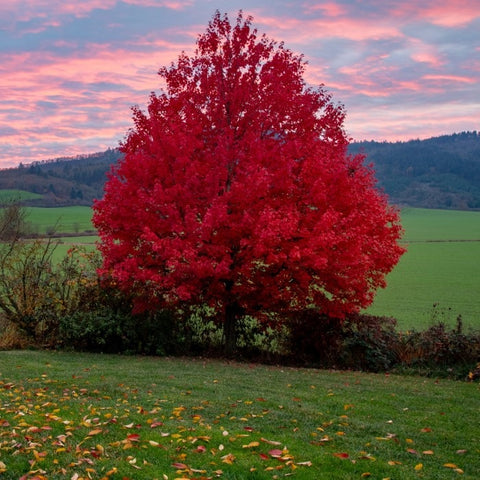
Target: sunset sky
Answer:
[[71, 71]]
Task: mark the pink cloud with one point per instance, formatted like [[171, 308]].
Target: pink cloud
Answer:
[[329, 9], [444, 13], [444, 79], [304, 30], [50, 9]]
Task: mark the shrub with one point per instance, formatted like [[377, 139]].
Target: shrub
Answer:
[[439, 351], [359, 341]]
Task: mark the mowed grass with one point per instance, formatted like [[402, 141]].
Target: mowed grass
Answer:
[[85, 416], [441, 268]]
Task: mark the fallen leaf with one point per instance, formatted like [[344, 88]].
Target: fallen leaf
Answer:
[[418, 467], [341, 455], [270, 442], [251, 445], [229, 459], [275, 453]]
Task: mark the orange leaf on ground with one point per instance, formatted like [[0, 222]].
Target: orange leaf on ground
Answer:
[[251, 445]]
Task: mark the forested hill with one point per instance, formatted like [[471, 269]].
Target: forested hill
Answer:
[[440, 172], [61, 182]]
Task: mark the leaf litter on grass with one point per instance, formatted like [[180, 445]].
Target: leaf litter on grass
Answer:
[[60, 429]]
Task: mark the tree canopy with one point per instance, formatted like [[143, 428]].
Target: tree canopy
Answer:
[[236, 190]]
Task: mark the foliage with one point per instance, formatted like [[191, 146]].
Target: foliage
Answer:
[[370, 343], [236, 191], [438, 349], [361, 342], [35, 291], [107, 416]]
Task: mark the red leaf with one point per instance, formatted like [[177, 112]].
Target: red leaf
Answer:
[[341, 455]]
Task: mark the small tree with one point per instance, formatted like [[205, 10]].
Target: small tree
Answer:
[[236, 191], [35, 291]]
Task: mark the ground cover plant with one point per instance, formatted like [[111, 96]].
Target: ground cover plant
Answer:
[[86, 416]]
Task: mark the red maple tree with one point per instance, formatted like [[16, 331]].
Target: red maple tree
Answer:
[[236, 191]]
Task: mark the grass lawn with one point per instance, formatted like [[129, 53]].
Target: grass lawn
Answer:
[[84, 416]]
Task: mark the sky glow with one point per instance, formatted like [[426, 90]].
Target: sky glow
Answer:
[[71, 71]]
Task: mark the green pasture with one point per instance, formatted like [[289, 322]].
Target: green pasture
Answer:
[[441, 268], [428, 225], [85, 416], [75, 219], [7, 195]]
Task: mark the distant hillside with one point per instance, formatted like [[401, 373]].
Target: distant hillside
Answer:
[[440, 172], [63, 181]]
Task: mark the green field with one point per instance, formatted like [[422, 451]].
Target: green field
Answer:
[[7, 195], [76, 219], [441, 266]]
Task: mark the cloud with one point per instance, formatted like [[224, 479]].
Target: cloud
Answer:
[[72, 70]]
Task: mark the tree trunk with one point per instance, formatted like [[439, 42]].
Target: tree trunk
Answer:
[[230, 329]]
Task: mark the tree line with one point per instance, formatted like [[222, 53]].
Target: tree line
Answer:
[[439, 172]]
